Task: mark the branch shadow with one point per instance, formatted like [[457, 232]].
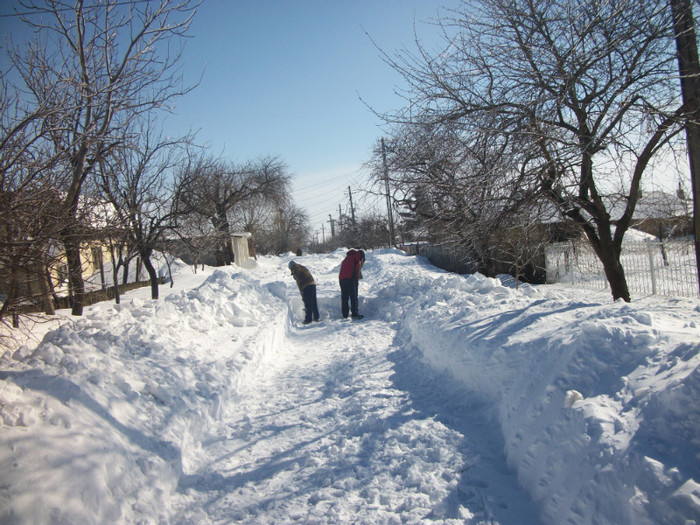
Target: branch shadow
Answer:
[[66, 391]]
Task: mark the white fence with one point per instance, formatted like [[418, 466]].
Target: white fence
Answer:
[[665, 268]]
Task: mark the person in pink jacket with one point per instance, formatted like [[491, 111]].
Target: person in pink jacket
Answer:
[[350, 274]]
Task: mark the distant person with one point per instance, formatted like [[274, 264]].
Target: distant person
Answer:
[[350, 274], [307, 287]]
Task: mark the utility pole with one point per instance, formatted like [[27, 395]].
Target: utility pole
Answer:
[[388, 197], [323, 230], [332, 221], [689, 66], [352, 210]]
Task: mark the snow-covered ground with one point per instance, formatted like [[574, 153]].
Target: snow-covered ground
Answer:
[[458, 399]]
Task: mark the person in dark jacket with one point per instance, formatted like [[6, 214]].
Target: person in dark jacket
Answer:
[[307, 287], [350, 274]]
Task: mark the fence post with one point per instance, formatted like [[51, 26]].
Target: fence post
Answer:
[[650, 251]]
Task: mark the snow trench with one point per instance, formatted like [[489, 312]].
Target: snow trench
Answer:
[[592, 398], [456, 400]]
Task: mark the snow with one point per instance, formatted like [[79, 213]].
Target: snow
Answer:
[[458, 399]]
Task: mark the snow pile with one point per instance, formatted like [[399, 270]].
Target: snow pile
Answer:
[[596, 400], [115, 403], [214, 405]]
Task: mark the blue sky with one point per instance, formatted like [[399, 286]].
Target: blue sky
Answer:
[[288, 78]]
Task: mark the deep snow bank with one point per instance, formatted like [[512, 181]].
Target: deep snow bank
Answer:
[[121, 397], [597, 401]]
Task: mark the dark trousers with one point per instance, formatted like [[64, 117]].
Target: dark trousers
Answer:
[[348, 292], [308, 294]]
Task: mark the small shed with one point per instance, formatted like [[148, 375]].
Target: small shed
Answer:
[[208, 249], [241, 247]]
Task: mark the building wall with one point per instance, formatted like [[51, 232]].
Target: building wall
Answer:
[[94, 257]]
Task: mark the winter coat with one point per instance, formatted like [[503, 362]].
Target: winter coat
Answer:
[[351, 267], [302, 276]]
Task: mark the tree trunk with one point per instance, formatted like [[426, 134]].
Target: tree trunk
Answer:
[[219, 256], [689, 67], [224, 230], [44, 290], [115, 276], [230, 258], [616, 278], [7, 307], [102, 270], [152, 274], [614, 272], [125, 277], [170, 271], [75, 272]]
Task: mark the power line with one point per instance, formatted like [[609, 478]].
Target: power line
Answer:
[[326, 182]]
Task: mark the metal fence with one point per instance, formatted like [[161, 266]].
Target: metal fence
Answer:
[[664, 268], [450, 259]]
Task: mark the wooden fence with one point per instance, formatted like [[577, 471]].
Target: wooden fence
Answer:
[[93, 297]]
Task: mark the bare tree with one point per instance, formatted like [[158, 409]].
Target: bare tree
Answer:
[[462, 191], [215, 189], [134, 180], [256, 215], [96, 68], [587, 88], [371, 231], [28, 222], [193, 239], [284, 231], [276, 225], [116, 234]]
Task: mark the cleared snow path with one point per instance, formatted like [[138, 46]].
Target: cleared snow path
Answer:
[[346, 425], [214, 406]]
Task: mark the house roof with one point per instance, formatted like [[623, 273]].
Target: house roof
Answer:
[[651, 205], [661, 205]]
